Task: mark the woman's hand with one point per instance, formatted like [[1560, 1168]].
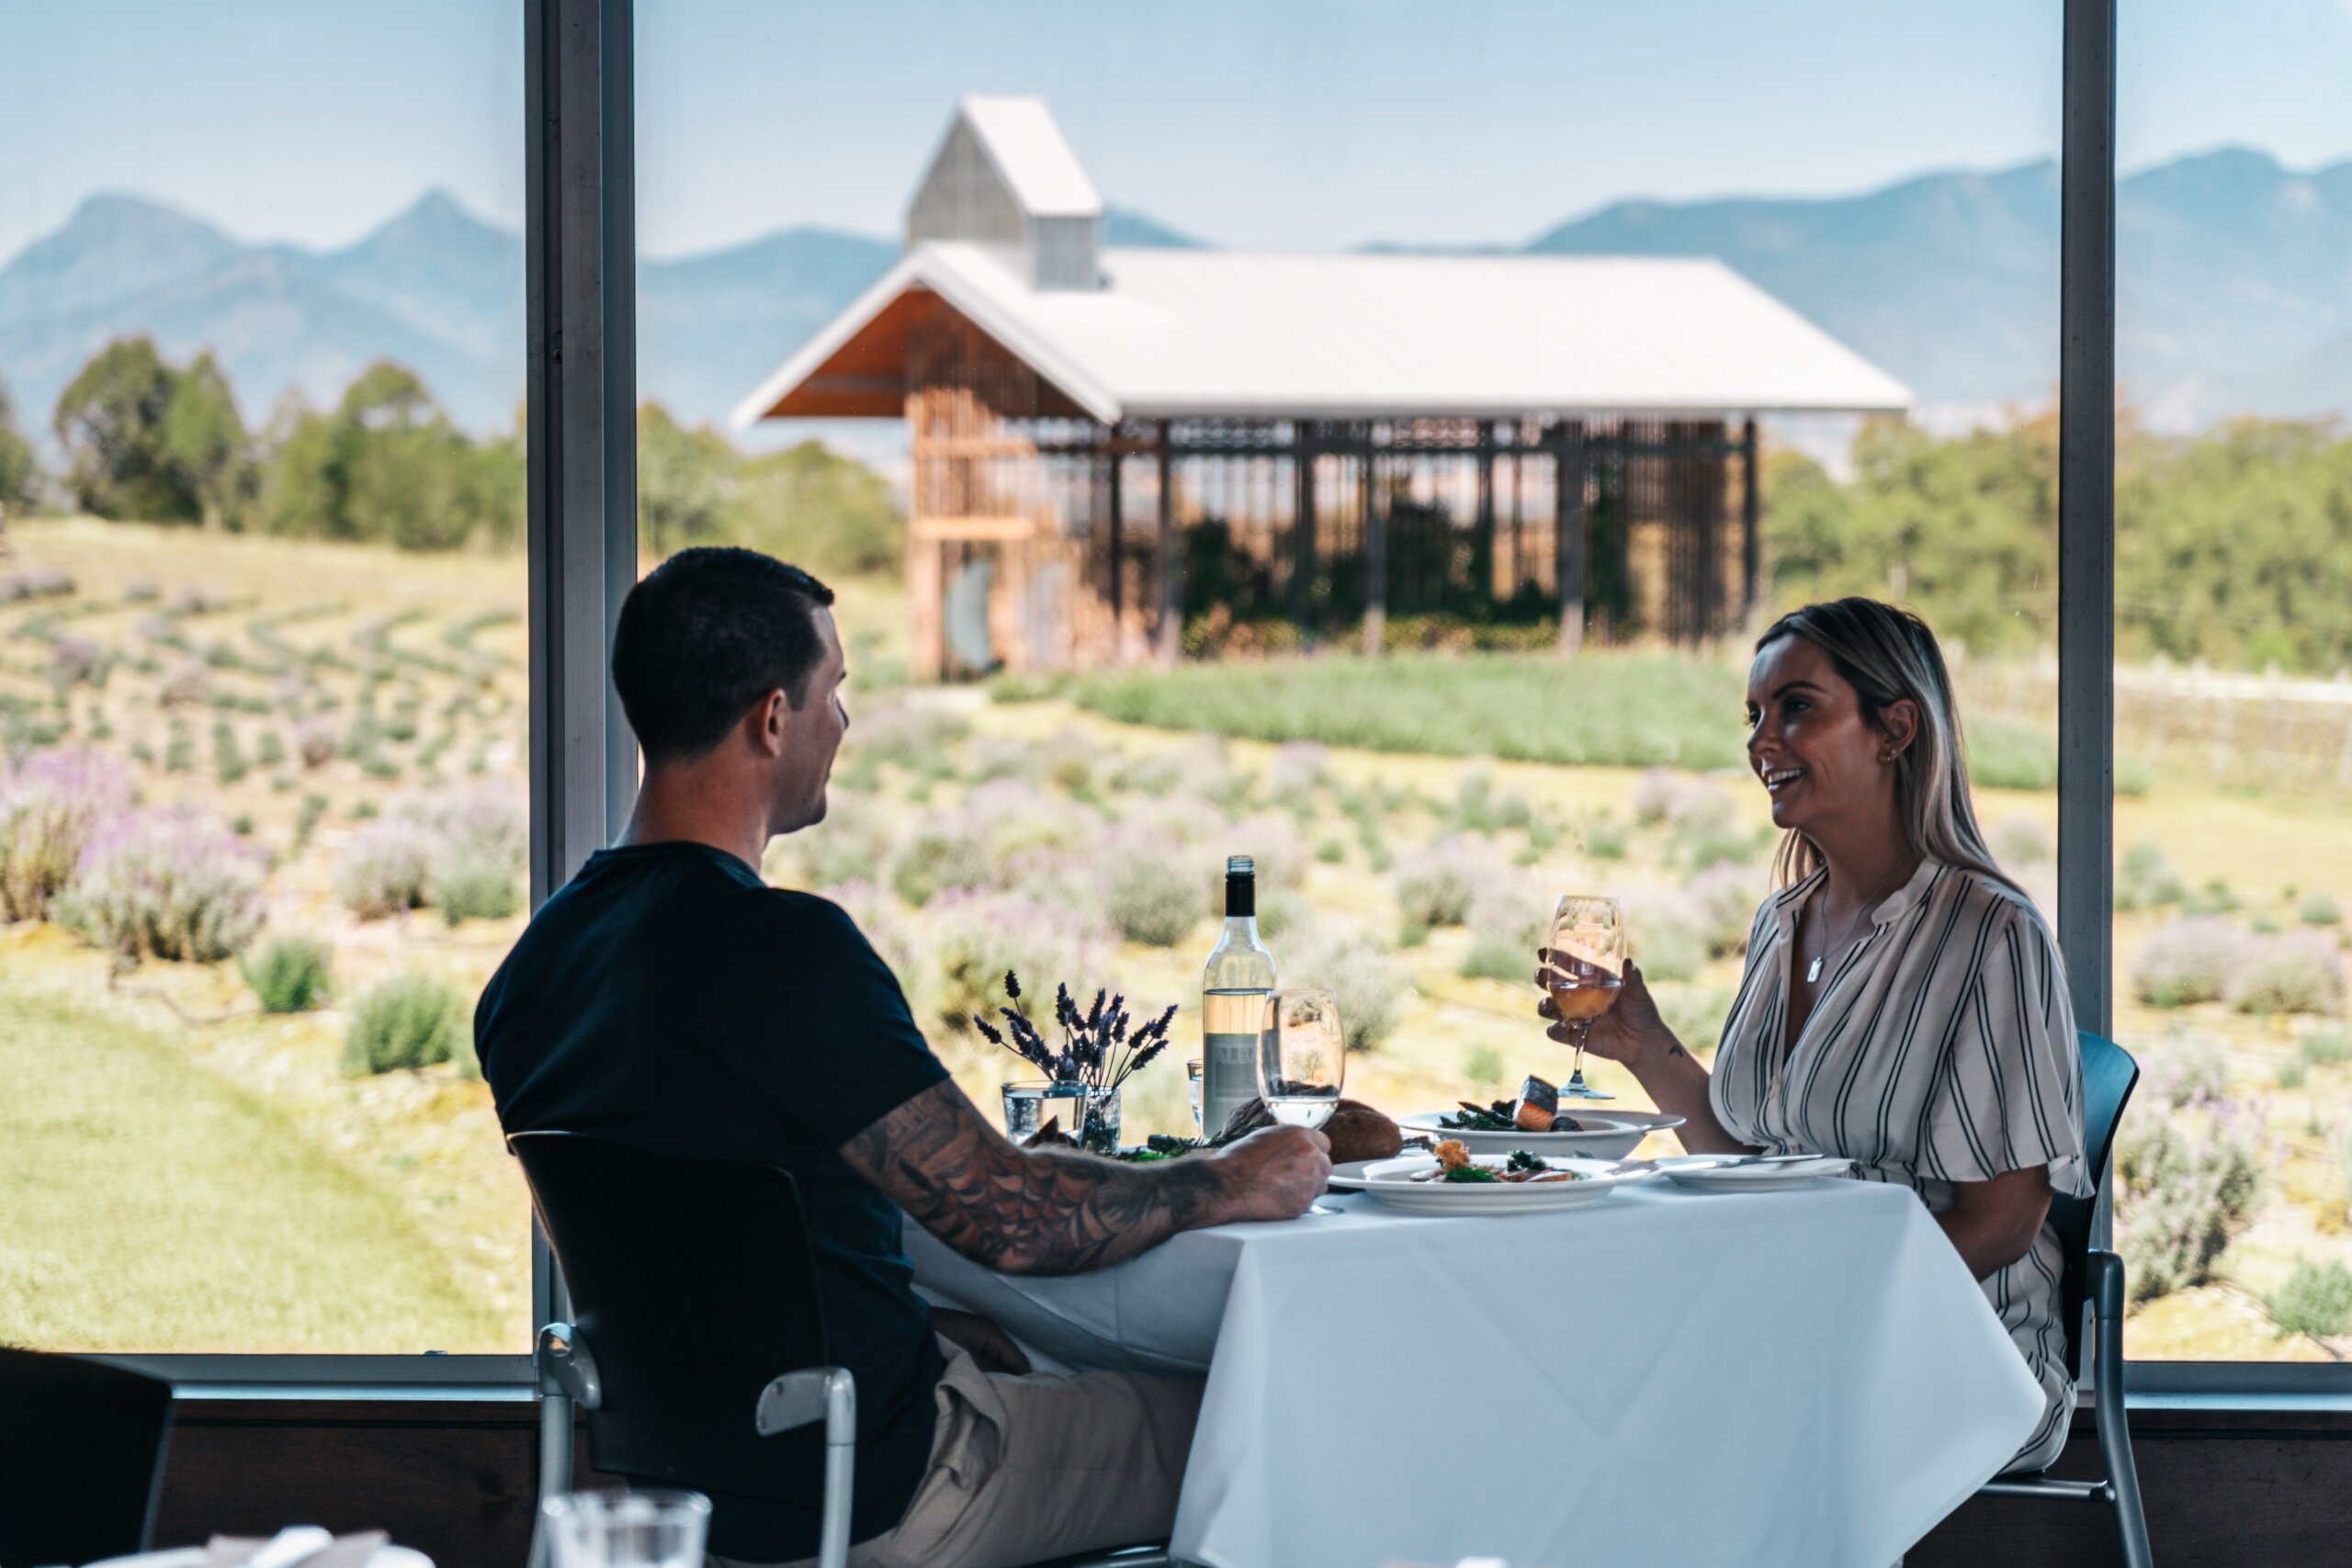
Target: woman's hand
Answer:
[[1629, 1033]]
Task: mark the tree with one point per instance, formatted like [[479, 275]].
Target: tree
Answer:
[[820, 510], [204, 440], [20, 470], [110, 420], [684, 477], [387, 466]]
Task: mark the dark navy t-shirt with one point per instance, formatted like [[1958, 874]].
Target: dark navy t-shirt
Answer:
[[668, 998]]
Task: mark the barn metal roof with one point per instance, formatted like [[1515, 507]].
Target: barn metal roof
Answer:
[[1179, 334], [1030, 153]]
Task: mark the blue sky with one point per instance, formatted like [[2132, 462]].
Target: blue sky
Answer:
[[1274, 123]]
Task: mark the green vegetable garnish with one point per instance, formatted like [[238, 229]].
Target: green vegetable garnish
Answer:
[[1470, 1173], [1521, 1160]]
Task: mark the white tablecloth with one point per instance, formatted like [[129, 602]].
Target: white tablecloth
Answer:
[[1801, 1377]]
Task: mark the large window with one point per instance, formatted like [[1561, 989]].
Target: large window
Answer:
[[263, 815], [1062, 804], [2233, 717]]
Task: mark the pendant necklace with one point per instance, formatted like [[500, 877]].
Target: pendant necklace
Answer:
[[1813, 970]]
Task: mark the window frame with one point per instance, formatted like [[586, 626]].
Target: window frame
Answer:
[[578, 144], [579, 558]]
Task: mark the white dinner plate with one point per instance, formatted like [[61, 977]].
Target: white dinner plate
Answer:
[[1727, 1173], [1347, 1176], [1605, 1134], [387, 1556], [1391, 1181]]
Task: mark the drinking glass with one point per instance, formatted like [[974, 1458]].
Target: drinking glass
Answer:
[[1026, 1106], [1587, 970], [1193, 1087], [627, 1529], [1301, 1059]]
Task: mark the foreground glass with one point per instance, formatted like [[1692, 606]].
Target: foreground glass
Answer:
[[1301, 1057], [1587, 970], [627, 1529], [1026, 1106]]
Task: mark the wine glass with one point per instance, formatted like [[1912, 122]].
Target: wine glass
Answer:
[[1586, 969], [1301, 1059]]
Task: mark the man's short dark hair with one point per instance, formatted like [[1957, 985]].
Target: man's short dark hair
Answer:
[[710, 632]]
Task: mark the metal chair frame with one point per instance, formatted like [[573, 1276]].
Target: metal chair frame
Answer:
[[2103, 1296]]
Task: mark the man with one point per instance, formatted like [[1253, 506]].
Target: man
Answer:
[[666, 998]]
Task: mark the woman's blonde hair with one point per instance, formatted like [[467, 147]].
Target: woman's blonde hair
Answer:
[[1888, 655]]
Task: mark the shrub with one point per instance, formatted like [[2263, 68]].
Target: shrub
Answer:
[[1725, 898], [2290, 1075], [229, 762], [1667, 934], [1437, 886], [2214, 898], [185, 682], [2319, 909], [2018, 841], [1272, 841], [914, 736], [1483, 1067], [973, 937], [2327, 1048], [1004, 757], [2179, 1206], [1654, 795], [1603, 839], [76, 660], [1506, 923], [852, 843], [2299, 972], [1330, 851], [2316, 1299], [408, 1020], [2186, 961], [387, 867], [1361, 980], [316, 740], [1473, 801], [1148, 894], [1070, 758], [942, 854], [2146, 879], [1280, 913], [485, 822], [464, 886], [173, 883], [1299, 767], [269, 751], [2192, 1072], [50, 809], [289, 974], [1700, 843]]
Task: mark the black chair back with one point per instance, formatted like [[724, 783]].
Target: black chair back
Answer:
[[80, 1458], [2109, 1076], [693, 1287]]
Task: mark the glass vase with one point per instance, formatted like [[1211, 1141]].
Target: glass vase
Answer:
[[1099, 1133]]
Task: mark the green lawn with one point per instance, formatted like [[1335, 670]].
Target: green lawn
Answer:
[[144, 1204]]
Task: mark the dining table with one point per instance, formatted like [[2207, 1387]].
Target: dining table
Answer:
[[1805, 1376]]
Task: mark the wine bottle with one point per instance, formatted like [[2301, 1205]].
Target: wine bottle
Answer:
[[1233, 998]]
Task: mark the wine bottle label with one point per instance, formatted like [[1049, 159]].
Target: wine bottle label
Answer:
[[1229, 1077]]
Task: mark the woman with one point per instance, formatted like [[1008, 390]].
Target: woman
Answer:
[[1903, 1004]]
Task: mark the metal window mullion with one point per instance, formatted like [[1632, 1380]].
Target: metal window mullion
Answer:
[[2087, 513], [582, 449]]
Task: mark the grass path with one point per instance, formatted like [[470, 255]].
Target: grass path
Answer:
[[144, 1204]]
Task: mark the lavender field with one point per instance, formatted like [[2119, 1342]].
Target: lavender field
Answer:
[[260, 842]]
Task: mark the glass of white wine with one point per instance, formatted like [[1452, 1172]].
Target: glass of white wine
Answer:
[[1585, 972], [1301, 1060]]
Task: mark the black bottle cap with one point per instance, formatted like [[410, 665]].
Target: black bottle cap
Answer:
[[1240, 886]]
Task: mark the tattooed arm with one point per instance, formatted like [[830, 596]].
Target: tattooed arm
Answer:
[[1056, 1212]]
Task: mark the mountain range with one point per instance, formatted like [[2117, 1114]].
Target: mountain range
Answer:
[[2234, 291]]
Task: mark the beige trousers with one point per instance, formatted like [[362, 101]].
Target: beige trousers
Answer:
[[1024, 1469]]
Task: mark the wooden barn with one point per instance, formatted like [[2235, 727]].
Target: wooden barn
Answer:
[[1107, 444]]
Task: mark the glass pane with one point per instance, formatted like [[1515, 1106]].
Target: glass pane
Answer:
[[2234, 708], [1378, 231], [263, 810]]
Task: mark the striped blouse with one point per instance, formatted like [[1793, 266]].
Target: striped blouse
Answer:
[[1939, 1050]]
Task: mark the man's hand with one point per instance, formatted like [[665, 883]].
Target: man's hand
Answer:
[[1048, 1212], [1276, 1172], [982, 1339]]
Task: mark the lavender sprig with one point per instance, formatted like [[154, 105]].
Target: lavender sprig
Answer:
[[1101, 1046]]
